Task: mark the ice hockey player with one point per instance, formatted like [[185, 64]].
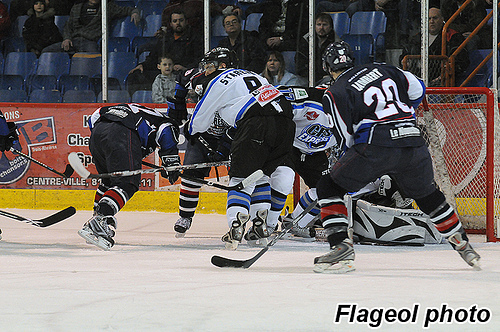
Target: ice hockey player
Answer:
[[373, 109], [263, 140], [8, 136], [210, 146], [121, 136], [313, 136]]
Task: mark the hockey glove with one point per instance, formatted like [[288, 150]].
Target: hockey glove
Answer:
[[223, 148], [170, 160], [7, 141], [177, 110]]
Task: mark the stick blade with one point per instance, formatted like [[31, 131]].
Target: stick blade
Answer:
[[68, 171], [56, 217], [77, 165], [227, 262]]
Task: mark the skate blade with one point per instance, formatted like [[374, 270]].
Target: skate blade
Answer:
[[179, 235], [233, 245], [260, 243], [98, 241], [338, 268], [476, 265]]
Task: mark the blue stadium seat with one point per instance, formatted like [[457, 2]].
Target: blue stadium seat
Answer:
[[142, 56], [96, 84], [148, 7], [142, 96], [341, 23], [85, 64], [252, 22], [123, 27], [373, 23], [13, 96], [119, 65], [481, 77], [115, 96], [140, 42], [42, 82], [362, 47], [289, 57], [60, 21], [20, 63], [79, 96], [2, 61], [45, 96], [11, 82], [53, 63], [117, 44], [153, 23], [16, 29], [13, 44], [126, 3], [73, 82], [218, 31]]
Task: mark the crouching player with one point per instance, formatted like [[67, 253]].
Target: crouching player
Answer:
[[121, 136], [373, 107]]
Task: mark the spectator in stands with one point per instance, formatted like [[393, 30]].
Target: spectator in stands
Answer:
[[468, 20], [194, 12], [164, 84], [25, 7], [4, 20], [39, 30], [453, 41], [276, 74], [83, 28], [283, 23], [249, 50], [325, 34], [181, 42]]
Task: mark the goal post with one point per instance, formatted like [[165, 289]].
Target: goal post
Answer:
[[465, 153]]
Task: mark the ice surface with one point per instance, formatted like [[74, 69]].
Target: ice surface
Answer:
[[151, 281]]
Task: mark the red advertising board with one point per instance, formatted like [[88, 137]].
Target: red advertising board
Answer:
[[48, 133]]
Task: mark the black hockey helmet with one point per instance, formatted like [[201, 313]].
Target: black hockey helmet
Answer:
[[220, 55], [337, 56]]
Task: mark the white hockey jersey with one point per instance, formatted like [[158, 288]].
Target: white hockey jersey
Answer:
[[233, 93], [313, 127]]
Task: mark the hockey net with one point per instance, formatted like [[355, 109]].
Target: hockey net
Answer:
[[462, 133]]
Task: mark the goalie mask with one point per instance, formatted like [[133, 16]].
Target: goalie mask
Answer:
[[219, 55], [337, 56]]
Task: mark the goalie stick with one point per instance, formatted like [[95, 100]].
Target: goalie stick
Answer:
[[44, 222], [77, 165], [227, 262], [246, 181], [66, 174]]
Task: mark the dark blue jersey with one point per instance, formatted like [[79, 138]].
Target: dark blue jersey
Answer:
[[375, 104]]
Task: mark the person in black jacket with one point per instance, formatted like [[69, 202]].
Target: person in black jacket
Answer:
[[39, 30], [182, 43], [249, 50]]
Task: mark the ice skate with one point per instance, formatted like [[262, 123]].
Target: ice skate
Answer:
[[233, 237], [97, 231], [295, 230], [181, 226], [258, 234], [463, 247], [339, 260]]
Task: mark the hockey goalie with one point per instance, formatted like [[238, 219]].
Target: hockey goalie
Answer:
[[382, 216]]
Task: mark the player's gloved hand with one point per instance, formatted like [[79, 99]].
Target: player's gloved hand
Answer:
[[177, 110], [170, 160], [216, 156], [223, 149], [7, 141]]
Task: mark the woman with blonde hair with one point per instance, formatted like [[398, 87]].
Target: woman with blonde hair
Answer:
[[276, 73]]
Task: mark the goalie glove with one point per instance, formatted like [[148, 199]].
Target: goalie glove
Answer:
[[7, 141], [170, 160]]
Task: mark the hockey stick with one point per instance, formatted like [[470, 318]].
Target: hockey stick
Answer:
[[227, 262], [66, 174], [246, 181], [44, 222], [77, 165]]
